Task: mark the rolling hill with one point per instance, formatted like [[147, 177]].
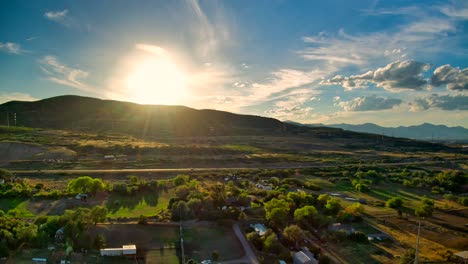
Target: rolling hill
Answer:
[[156, 121]]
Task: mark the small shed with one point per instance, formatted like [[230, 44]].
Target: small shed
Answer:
[[129, 249], [125, 250]]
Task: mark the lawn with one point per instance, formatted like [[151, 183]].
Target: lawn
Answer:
[[20, 204], [142, 203]]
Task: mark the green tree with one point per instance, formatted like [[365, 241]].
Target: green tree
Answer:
[[355, 209], [305, 214], [395, 203], [277, 211], [272, 244], [425, 209], [85, 184], [293, 233], [333, 205], [99, 242], [132, 179], [98, 214], [6, 175], [180, 180]]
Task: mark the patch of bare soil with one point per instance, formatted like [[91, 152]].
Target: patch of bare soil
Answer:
[[433, 229], [58, 207], [10, 151]]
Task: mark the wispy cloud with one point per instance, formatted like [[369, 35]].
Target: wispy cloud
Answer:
[[6, 97], [11, 47], [32, 38], [425, 34], [64, 18], [211, 33], [60, 73]]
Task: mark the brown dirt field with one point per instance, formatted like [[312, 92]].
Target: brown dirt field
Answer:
[[143, 236], [435, 238], [58, 207]]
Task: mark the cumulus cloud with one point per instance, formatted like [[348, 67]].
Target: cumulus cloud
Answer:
[[60, 73], [369, 103], [444, 102], [399, 75], [6, 97], [454, 78], [11, 47]]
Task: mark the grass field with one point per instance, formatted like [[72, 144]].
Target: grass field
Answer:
[[147, 204], [20, 204]]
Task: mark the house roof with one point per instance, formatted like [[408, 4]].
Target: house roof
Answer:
[[301, 257], [259, 228], [462, 254]]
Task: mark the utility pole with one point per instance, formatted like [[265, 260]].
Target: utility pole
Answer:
[[8, 118], [417, 244]]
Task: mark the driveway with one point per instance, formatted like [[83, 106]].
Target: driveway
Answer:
[[249, 257]]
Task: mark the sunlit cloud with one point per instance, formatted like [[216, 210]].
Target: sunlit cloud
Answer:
[[369, 103], [452, 77], [396, 76]]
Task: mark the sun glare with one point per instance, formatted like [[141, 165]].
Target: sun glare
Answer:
[[156, 79]]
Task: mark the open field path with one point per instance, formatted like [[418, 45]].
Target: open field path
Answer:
[[293, 166]]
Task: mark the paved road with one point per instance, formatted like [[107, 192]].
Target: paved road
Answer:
[[294, 166], [249, 256]]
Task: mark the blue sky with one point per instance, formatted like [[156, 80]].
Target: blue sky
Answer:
[[385, 62]]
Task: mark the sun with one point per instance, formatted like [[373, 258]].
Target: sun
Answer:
[[156, 79]]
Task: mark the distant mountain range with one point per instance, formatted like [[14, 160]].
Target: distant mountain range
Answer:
[[428, 132]]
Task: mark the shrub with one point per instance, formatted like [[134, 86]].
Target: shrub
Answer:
[[358, 237], [143, 220]]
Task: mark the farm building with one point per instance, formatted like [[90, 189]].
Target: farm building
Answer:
[[304, 257], [125, 250]]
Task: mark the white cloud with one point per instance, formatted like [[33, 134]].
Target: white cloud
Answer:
[[63, 18], [396, 76], [57, 16], [62, 74], [453, 77], [369, 103], [443, 102], [6, 97], [11, 47], [459, 11]]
